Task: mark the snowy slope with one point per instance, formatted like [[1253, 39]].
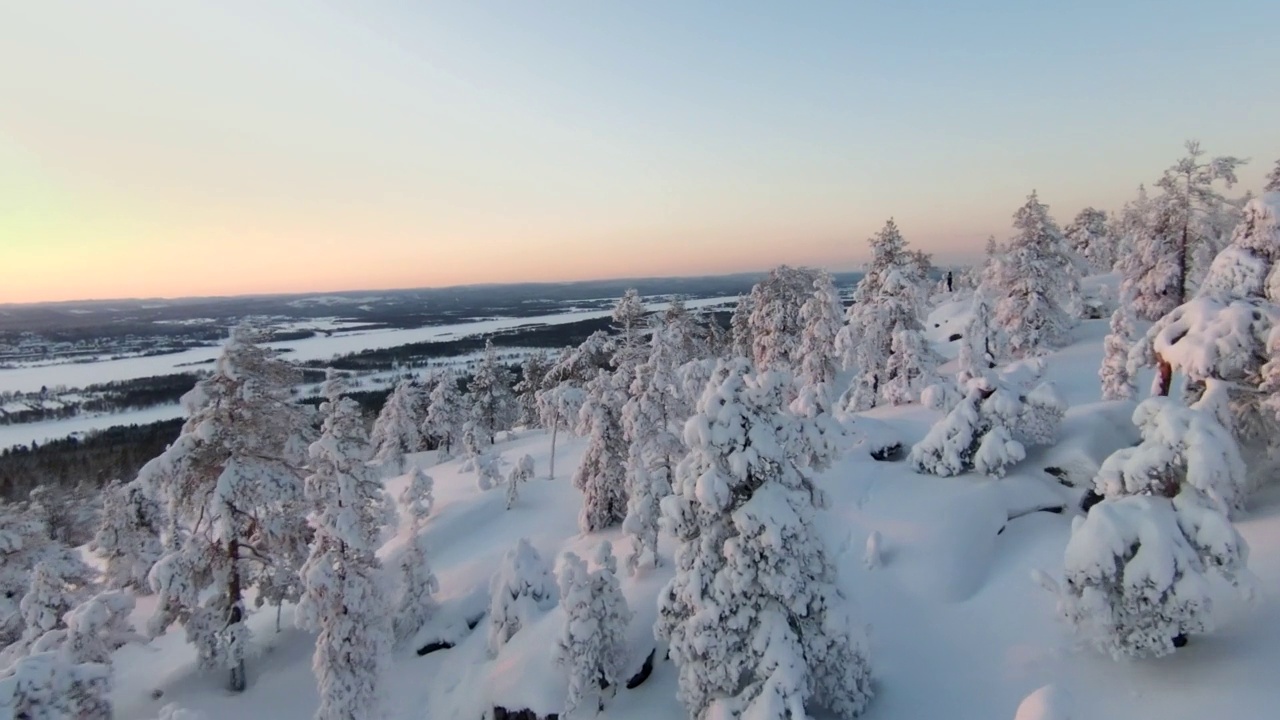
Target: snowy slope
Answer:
[[959, 629]]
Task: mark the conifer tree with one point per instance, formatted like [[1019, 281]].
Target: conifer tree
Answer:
[[493, 405], [445, 415], [521, 472], [233, 486], [1089, 237], [532, 373], [592, 645], [1036, 266], [1117, 382], [415, 604], [398, 430], [753, 618], [775, 322], [1273, 179], [628, 323], [601, 476], [821, 320], [128, 538], [342, 593], [978, 347], [521, 590]]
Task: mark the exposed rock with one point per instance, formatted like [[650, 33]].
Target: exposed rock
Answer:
[[433, 647], [889, 453], [645, 670], [501, 713]]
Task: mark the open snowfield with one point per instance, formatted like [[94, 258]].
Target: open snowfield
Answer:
[[32, 378], [959, 629]]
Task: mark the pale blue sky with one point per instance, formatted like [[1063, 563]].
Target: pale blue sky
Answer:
[[421, 143]]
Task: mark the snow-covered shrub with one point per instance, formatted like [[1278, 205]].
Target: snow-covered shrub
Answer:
[[1180, 445], [989, 429], [1135, 571], [942, 396], [1117, 381], [754, 621], [521, 472], [415, 603], [521, 590], [592, 645], [602, 474]]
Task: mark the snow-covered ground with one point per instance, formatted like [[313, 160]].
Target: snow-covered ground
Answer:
[[958, 627], [32, 378]]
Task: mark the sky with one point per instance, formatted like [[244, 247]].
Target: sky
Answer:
[[151, 148]]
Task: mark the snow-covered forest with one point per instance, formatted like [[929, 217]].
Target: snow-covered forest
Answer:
[[1040, 488]]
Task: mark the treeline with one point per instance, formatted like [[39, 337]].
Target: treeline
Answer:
[[116, 396], [94, 460]]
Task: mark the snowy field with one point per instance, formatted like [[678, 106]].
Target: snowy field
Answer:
[[958, 627], [32, 378]]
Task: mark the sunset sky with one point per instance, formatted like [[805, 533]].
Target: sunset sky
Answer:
[[161, 148]]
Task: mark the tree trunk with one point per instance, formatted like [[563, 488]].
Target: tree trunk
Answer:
[[236, 682], [555, 428], [1165, 371], [1183, 262]]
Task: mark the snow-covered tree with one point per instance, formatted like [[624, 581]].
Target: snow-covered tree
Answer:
[[233, 486], [628, 323], [532, 373], [415, 604], [1089, 236], [25, 543], [493, 405], [1036, 276], [50, 595], [753, 618], [521, 472], [521, 590], [1273, 179], [342, 591], [602, 474], [1182, 448], [128, 538], [740, 340], [1136, 572], [989, 429], [446, 413], [559, 407], [1117, 381], [821, 319], [649, 421], [910, 367], [1181, 230], [980, 344], [68, 673], [398, 430], [592, 645], [775, 322]]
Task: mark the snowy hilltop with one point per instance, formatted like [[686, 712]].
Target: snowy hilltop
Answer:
[[1039, 489]]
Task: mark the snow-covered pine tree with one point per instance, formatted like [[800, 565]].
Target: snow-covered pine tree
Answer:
[[1089, 236], [493, 405], [445, 415], [980, 344], [910, 367], [592, 645], [49, 596], [1169, 233], [740, 340], [521, 590], [753, 618], [775, 316], [628, 323], [1117, 382], [24, 543], [559, 406], [233, 486], [649, 421], [821, 319], [398, 430], [1035, 270], [532, 373], [521, 472], [415, 604], [342, 590], [602, 474], [689, 339], [128, 538], [1273, 179], [1136, 572]]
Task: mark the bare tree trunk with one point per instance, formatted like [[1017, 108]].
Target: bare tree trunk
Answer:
[[555, 428], [236, 615]]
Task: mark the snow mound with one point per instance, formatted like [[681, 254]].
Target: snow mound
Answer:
[[1048, 703]]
